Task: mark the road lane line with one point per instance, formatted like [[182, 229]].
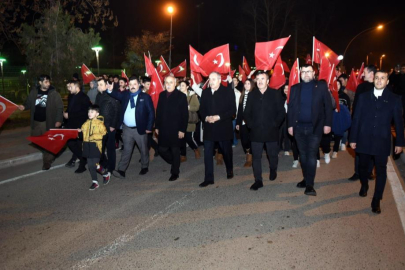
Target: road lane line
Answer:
[[397, 191], [30, 174]]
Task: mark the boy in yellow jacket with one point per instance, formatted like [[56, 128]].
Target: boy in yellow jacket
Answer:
[[93, 131]]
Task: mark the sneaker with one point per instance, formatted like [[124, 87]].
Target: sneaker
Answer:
[[94, 185], [101, 170], [343, 147], [295, 164], [334, 155], [106, 178], [327, 158], [318, 164], [71, 163], [286, 153]]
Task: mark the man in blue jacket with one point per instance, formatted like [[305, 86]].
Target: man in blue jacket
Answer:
[[137, 118], [370, 134]]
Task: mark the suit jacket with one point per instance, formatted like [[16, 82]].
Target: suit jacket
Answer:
[[264, 114], [371, 126], [322, 111], [78, 107], [171, 117], [144, 111], [221, 103]]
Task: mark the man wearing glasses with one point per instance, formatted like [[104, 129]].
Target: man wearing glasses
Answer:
[[309, 115]]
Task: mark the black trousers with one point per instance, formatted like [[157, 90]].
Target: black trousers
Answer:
[[336, 144], [284, 142], [294, 148], [381, 172], [172, 156], [92, 165], [152, 143], [76, 146], [226, 147], [245, 138], [109, 144], [325, 143], [272, 149], [188, 139]]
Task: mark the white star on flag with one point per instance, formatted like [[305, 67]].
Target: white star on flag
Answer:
[[181, 68], [215, 62], [271, 55]]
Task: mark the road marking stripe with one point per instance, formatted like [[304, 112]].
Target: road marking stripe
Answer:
[[397, 190], [30, 174]]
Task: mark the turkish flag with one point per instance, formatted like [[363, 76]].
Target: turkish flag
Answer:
[[123, 75], [325, 70], [206, 84], [246, 66], [6, 109], [294, 77], [319, 50], [277, 78], [156, 87], [195, 60], [148, 65], [54, 139], [217, 59], [162, 68], [266, 53], [242, 72], [197, 78], [360, 75], [87, 75], [180, 70], [335, 92], [308, 59], [225, 76], [352, 83], [286, 68]]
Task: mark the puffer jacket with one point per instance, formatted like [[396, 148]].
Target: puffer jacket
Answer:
[[93, 131]]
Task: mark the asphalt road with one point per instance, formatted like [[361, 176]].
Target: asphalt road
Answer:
[[50, 220]]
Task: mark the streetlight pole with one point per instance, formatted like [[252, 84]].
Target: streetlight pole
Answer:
[[2, 60], [97, 50], [170, 9], [362, 32], [381, 58]]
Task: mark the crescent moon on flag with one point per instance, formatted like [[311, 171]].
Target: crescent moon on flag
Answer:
[[222, 60], [282, 69], [195, 60], [161, 68], [279, 47], [59, 135], [3, 107]]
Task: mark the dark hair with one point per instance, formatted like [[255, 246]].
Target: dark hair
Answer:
[[43, 77], [94, 107], [76, 83], [110, 76], [76, 76], [123, 79], [381, 71], [186, 82], [134, 78], [344, 76], [242, 93], [260, 72], [146, 79], [307, 65], [116, 77], [371, 68], [104, 80]]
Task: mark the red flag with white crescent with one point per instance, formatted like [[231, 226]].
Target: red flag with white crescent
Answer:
[[352, 83], [325, 69], [294, 77], [197, 78], [224, 77], [162, 68], [286, 68], [195, 60], [54, 139], [148, 65], [335, 92], [242, 72], [266, 53], [246, 66], [180, 70], [6, 109], [87, 75], [278, 77], [217, 59], [319, 50], [156, 87]]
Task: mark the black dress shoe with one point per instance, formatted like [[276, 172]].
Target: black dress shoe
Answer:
[[174, 177], [363, 191], [229, 175], [143, 171], [46, 167], [81, 169], [355, 177], [206, 183], [302, 184], [119, 174], [371, 176], [273, 175], [375, 206], [310, 191], [256, 185]]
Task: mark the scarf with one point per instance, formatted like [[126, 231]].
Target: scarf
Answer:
[[132, 98]]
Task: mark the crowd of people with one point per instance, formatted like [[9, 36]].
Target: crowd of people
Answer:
[[301, 120]]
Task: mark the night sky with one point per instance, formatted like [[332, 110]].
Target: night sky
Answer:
[[222, 20]]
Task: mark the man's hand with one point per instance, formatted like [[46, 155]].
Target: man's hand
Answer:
[[66, 115], [181, 135], [58, 124], [290, 131], [21, 107], [353, 145], [237, 127], [251, 73], [79, 130], [148, 131], [229, 79], [326, 129], [110, 87], [112, 129], [398, 150]]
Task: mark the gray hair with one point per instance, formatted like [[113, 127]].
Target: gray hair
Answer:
[[216, 73]]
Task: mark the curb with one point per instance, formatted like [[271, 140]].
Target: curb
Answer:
[[20, 160]]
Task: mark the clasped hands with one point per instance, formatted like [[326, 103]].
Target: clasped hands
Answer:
[[212, 119]]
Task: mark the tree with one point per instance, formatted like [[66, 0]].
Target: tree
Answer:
[[17, 13], [148, 42], [54, 46]]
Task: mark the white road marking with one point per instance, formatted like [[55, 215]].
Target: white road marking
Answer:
[[30, 174], [397, 191]]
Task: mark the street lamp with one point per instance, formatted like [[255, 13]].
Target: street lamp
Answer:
[[379, 27], [97, 49], [170, 10], [23, 71], [381, 58], [2, 74]]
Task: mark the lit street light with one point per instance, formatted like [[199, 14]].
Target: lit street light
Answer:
[[379, 27], [381, 58], [170, 10], [23, 71], [97, 50], [2, 60]]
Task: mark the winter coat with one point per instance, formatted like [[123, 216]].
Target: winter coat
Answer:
[[93, 132], [78, 107], [92, 93], [109, 109], [193, 106]]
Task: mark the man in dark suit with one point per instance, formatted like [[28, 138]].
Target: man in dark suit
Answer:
[[264, 114], [309, 116], [136, 117], [217, 109], [370, 134], [171, 124]]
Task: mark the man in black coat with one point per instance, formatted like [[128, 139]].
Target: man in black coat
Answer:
[[264, 113], [171, 124], [76, 115], [309, 116], [371, 133], [217, 110]]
